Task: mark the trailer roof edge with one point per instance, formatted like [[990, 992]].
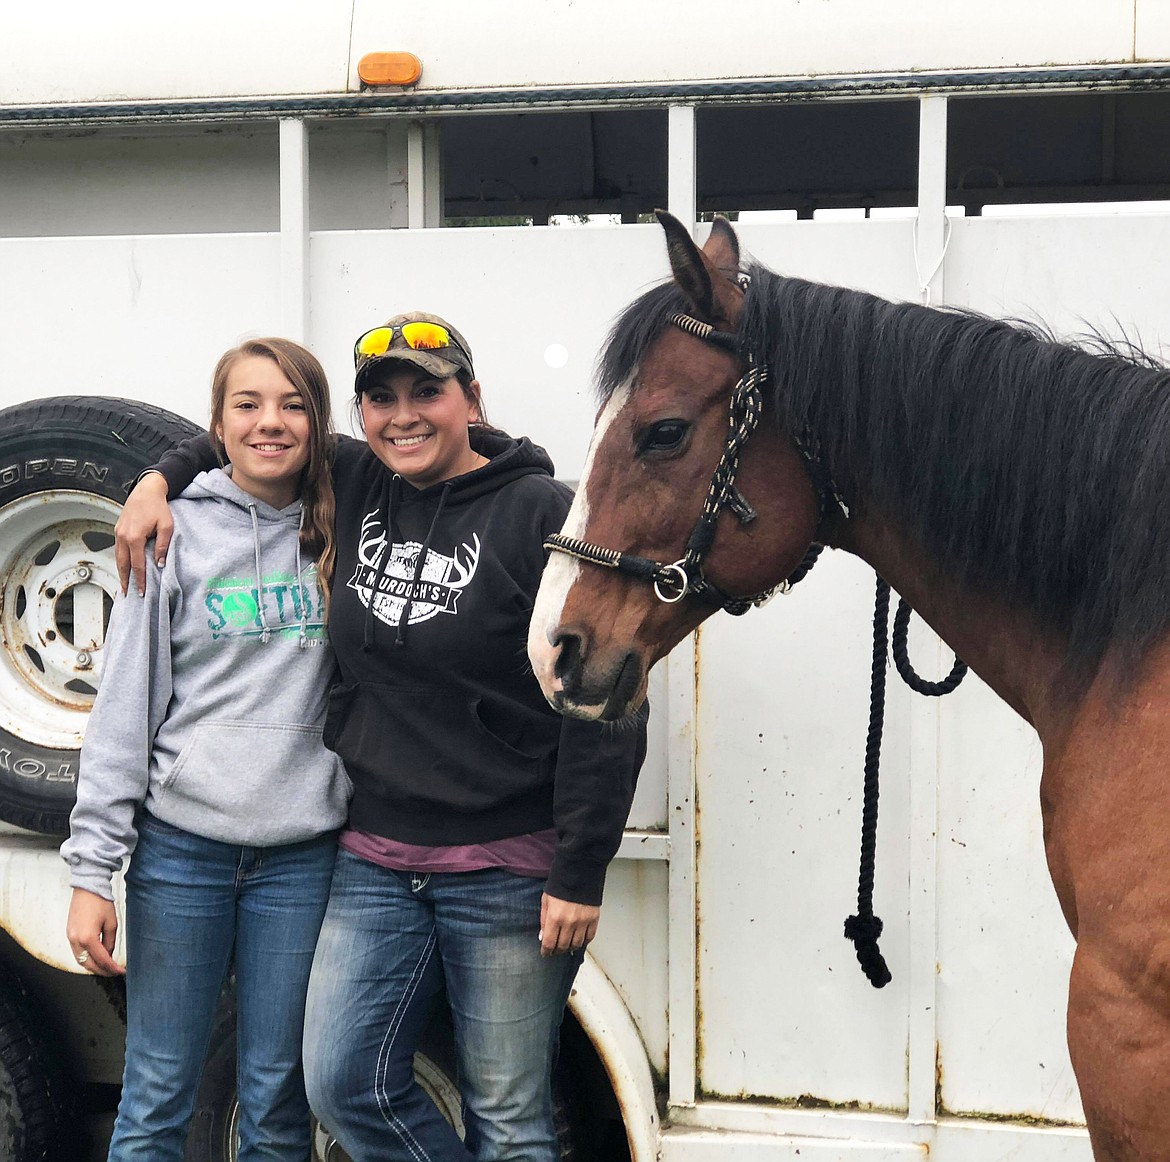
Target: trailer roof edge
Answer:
[[862, 86]]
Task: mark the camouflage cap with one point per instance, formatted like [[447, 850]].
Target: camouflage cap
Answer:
[[441, 362]]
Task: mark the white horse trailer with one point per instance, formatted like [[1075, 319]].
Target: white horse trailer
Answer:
[[172, 181]]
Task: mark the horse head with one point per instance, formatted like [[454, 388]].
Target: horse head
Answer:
[[690, 514]]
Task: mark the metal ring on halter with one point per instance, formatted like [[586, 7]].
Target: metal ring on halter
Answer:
[[683, 581]]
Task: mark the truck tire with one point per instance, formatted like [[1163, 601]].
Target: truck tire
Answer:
[[37, 1119], [66, 465]]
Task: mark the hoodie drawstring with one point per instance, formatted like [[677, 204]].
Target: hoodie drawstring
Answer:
[[303, 638], [383, 564], [266, 632], [403, 621]]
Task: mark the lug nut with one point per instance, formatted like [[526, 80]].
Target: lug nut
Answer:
[[84, 572], [84, 660]]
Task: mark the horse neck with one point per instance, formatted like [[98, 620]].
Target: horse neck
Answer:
[[1001, 643]]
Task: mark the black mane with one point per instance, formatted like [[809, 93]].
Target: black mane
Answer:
[[1028, 468]]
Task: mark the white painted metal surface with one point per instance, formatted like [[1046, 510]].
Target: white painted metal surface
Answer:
[[34, 899], [295, 297], [680, 179], [144, 318], [137, 50], [607, 1022]]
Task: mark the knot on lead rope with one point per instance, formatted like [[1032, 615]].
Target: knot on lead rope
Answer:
[[864, 932], [863, 928]]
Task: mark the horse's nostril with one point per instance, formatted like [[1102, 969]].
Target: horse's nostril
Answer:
[[569, 650]]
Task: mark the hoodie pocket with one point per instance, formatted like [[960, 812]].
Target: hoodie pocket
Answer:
[[336, 712], [434, 746], [263, 782]]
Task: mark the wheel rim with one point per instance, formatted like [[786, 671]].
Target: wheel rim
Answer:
[[441, 1089], [57, 584], [434, 1080], [438, 1086]]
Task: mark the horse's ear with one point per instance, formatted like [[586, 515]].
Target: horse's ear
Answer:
[[687, 265], [722, 248], [707, 277]]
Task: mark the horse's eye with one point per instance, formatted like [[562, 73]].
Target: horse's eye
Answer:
[[665, 436]]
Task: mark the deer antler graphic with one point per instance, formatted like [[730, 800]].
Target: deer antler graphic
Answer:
[[370, 547], [461, 572]]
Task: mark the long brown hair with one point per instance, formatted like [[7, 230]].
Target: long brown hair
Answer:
[[302, 369]]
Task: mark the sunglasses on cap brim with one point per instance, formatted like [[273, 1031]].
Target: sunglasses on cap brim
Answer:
[[417, 336]]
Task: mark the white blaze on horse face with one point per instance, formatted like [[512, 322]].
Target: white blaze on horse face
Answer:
[[561, 572]]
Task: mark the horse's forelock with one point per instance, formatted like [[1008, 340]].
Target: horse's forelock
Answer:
[[632, 334]]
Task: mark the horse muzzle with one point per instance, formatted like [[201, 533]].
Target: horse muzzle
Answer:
[[579, 685]]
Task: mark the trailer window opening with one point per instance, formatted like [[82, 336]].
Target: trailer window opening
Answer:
[[535, 168], [807, 157], [1065, 149]]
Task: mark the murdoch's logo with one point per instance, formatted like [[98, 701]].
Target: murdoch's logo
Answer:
[[386, 587]]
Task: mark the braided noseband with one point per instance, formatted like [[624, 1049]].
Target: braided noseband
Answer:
[[672, 582]]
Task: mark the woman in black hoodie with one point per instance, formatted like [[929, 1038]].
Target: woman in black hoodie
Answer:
[[482, 823]]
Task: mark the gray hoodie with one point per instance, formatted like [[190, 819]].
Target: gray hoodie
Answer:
[[211, 701]]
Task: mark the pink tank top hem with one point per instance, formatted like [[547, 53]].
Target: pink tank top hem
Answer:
[[522, 855]]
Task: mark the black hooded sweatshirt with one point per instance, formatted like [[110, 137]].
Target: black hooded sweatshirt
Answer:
[[437, 715]]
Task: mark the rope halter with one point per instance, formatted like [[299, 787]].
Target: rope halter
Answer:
[[684, 577]]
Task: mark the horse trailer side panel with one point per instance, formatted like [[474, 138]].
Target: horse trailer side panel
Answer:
[[1004, 948], [136, 51], [1093, 271], [702, 1145], [1151, 39], [779, 809], [877, 256], [118, 182], [1006, 953], [950, 1141], [139, 317], [631, 945]]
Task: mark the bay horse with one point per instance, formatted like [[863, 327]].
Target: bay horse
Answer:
[[1014, 489]]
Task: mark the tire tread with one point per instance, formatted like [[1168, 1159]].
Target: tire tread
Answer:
[[42, 1090], [134, 435]]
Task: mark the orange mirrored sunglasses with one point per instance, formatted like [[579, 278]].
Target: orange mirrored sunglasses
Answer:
[[417, 336]]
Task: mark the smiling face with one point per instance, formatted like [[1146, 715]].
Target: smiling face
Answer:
[[264, 429], [417, 425]]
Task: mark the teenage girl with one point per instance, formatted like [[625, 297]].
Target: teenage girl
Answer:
[[203, 758]]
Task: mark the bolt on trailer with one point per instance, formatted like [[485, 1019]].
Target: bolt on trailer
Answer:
[[171, 183]]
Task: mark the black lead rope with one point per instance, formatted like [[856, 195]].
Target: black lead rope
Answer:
[[864, 928], [902, 660]]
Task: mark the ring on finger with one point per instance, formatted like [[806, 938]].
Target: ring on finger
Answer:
[[83, 956]]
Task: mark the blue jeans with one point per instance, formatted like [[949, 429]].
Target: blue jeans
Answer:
[[189, 902], [390, 943]]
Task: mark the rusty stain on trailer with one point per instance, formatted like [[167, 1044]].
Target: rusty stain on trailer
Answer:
[[1017, 1119]]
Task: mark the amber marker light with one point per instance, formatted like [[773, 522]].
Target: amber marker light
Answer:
[[389, 68]]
